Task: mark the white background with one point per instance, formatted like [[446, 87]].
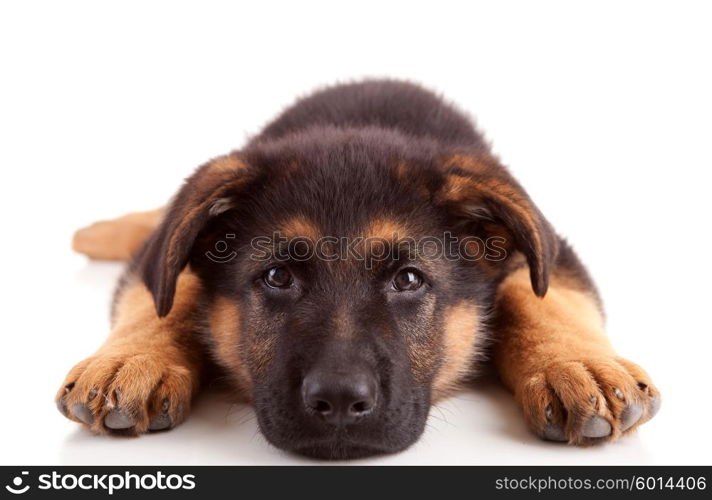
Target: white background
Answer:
[[603, 112]]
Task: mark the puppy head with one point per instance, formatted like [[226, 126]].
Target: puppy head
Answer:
[[347, 276]]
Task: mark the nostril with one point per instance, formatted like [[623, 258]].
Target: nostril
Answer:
[[360, 407], [321, 406]]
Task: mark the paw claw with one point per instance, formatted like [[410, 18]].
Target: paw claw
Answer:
[[117, 419], [630, 415], [83, 413], [159, 423], [62, 407], [553, 432], [654, 406], [596, 427], [549, 412]]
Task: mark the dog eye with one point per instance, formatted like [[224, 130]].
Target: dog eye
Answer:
[[278, 277], [407, 280]]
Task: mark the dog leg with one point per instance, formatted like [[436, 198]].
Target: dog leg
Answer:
[[148, 370], [117, 239], [552, 353]]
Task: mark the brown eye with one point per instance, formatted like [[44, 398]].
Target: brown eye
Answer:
[[278, 277], [407, 280]]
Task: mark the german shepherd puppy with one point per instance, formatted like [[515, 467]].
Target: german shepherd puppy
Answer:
[[347, 268]]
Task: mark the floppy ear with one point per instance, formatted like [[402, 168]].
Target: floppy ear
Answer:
[[480, 188], [205, 194]]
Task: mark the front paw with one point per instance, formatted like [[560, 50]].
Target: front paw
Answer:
[[127, 394], [589, 400]]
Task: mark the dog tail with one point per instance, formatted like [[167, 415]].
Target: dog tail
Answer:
[[117, 239]]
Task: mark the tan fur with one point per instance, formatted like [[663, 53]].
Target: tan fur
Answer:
[[223, 168], [259, 352], [386, 229], [458, 348], [379, 234], [117, 239], [148, 365], [343, 323], [240, 357], [473, 164], [224, 319], [403, 172], [300, 227], [466, 191], [552, 352], [423, 349]]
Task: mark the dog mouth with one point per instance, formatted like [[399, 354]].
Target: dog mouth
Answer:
[[341, 445], [337, 444], [339, 450]]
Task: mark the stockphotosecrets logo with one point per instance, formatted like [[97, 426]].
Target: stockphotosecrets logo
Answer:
[[17, 487], [109, 483]]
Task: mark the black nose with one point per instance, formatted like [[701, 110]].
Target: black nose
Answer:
[[340, 398]]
